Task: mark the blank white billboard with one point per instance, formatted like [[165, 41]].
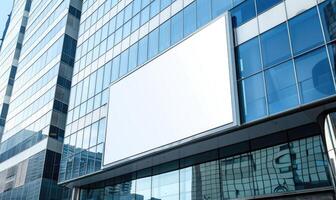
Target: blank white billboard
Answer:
[[182, 93]]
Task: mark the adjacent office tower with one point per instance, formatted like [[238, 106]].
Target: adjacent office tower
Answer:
[[37, 59], [201, 99]]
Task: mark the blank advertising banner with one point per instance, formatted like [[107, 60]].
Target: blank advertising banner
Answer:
[[181, 93]]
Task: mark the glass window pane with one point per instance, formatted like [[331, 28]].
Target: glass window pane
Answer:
[[203, 12], [154, 8], [123, 63], [164, 36], [275, 45], [118, 36], [243, 13], [86, 138], [142, 52], [133, 57], [328, 12], [177, 28], [165, 3], [135, 22], [127, 29], [281, 87], [120, 19], [219, 6], [153, 43], [314, 75], [143, 188], [136, 6], [248, 58], [144, 15], [92, 85], [115, 68], [263, 5], [305, 31], [166, 186], [100, 77], [107, 75], [252, 95], [112, 25], [332, 54], [189, 14], [128, 12], [94, 134], [101, 131], [145, 3]]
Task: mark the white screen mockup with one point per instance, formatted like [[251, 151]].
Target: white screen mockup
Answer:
[[181, 93]]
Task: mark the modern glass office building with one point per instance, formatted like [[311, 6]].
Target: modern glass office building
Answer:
[[37, 59], [169, 100], [202, 99]]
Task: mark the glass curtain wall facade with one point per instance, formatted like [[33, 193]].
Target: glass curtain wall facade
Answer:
[[10, 54], [30, 149], [287, 167], [300, 47], [114, 40], [285, 59]]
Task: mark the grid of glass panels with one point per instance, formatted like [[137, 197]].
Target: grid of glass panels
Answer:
[[290, 65], [288, 167], [89, 96]]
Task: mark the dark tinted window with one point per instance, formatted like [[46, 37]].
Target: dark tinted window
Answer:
[[263, 5], [242, 13], [328, 13]]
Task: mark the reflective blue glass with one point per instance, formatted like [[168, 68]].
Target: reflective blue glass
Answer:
[[263, 5], [127, 29], [107, 75], [135, 22], [153, 43], [142, 52], [219, 6], [112, 25], [154, 8], [189, 19], [328, 12], [275, 45], [243, 13], [203, 12], [248, 58], [120, 19], [118, 36], [92, 84], [136, 6], [128, 12], [165, 3], [115, 68], [144, 15], [99, 81], [252, 98], [314, 75], [332, 54], [145, 3], [133, 56], [123, 63], [305, 31], [164, 41], [177, 28], [281, 87]]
